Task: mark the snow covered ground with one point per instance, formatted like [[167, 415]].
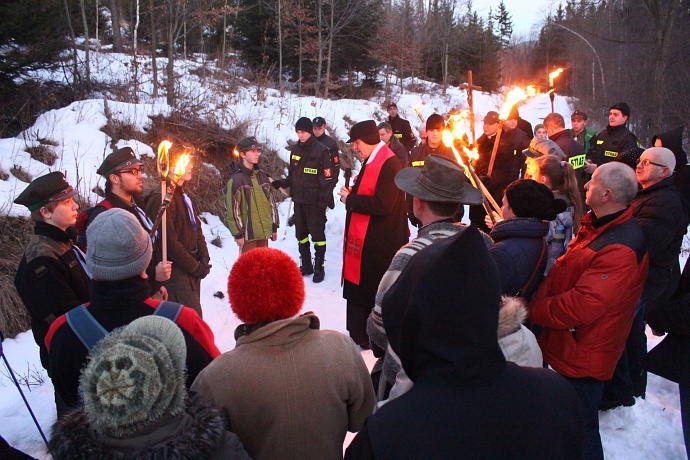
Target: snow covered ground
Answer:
[[649, 430]]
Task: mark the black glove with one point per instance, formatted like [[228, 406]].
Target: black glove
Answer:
[[276, 184], [291, 221]]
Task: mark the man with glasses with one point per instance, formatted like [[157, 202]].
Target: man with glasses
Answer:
[[124, 184], [51, 278], [663, 215]]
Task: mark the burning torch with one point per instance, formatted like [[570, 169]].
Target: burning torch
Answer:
[[489, 202], [163, 168], [552, 89], [179, 171], [513, 97]]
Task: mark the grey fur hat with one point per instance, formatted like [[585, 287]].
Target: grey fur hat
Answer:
[[119, 247], [135, 376]]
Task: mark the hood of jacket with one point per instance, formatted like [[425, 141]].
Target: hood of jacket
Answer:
[[519, 227], [197, 433], [673, 140], [441, 314], [276, 332], [511, 315]]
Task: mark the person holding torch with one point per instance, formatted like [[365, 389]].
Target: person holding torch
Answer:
[[186, 245]]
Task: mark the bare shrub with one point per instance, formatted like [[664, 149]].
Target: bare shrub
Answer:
[[18, 172], [14, 234], [43, 153], [3, 174]]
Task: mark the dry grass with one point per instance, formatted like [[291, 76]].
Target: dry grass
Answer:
[[18, 172], [43, 153], [14, 234]]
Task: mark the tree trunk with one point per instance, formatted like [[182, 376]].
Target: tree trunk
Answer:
[[117, 35], [319, 61], [75, 70], [170, 67], [330, 53], [280, 51], [225, 29], [87, 67], [154, 44], [135, 49]]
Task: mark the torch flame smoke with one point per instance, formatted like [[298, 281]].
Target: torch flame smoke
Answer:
[[513, 97]]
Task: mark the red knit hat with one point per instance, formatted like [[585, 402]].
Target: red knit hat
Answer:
[[264, 285]]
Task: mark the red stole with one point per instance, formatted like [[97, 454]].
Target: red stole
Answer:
[[359, 223]]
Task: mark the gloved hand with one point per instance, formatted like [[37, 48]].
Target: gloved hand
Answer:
[[276, 184], [291, 221]]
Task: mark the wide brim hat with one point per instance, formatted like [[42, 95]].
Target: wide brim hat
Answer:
[[438, 180]]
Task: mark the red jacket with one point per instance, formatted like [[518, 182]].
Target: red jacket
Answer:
[[587, 302]]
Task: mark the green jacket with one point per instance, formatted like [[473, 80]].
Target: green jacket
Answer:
[[252, 213], [584, 139]]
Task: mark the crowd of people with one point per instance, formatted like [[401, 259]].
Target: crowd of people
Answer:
[[529, 320]]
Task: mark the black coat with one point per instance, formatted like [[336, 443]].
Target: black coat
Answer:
[[467, 402], [50, 280], [400, 151], [115, 304], [310, 176], [403, 131], [334, 154], [663, 215], [575, 152], [609, 143], [509, 160], [517, 248], [671, 358], [387, 231]]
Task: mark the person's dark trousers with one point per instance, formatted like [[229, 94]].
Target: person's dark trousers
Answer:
[[589, 391], [636, 348], [629, 378], [684, 392]]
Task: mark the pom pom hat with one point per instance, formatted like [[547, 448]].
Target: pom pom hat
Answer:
[[265, 285]]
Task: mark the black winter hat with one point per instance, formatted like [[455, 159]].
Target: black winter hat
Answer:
[[366, 131], [305, 124], [123, 158], [514, 114], [623, 107], [631, 156], [318, 122], [529, 198], [45, 189], [435, 121]]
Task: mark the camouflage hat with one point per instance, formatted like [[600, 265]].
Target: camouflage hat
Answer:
[[123, 158], [541, 147], [45, 189]]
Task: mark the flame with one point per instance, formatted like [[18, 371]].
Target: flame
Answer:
[[473, 154], [554, 74], [513, 97], [163, 159], [181, 166], [448, 142], [459, 123], [235, 153], [416, 108]]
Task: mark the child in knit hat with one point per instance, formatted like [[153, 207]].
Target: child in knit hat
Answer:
[[136, 405]]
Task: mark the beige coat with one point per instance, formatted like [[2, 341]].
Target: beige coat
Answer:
[[290, 390]]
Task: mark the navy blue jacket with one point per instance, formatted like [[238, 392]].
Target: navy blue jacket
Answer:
[[518, 243]]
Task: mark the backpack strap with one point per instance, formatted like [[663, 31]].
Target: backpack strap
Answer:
[[85, 326], [170, 310]]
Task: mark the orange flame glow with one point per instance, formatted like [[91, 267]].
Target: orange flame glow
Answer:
[[181, 166], [513, 97], [416, 108], [163, 159], [235, 153], [553, 75]]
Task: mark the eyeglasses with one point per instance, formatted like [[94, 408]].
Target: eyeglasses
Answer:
[[646, 163], [133, 172]]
